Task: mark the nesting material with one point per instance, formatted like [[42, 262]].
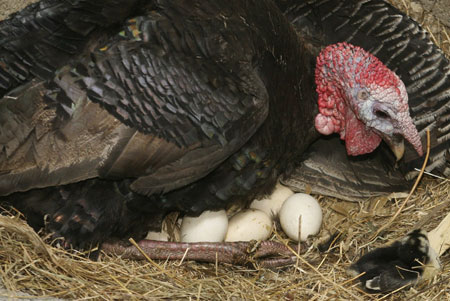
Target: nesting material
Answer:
[[170, 229], [25, 267]]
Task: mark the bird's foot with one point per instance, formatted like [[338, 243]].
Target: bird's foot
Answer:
[[267, 254], [89, 214], [73, 226]]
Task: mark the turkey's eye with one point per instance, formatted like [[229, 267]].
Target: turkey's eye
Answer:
[[363, 95]]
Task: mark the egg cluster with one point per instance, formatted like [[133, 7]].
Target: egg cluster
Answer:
[[255, 223]]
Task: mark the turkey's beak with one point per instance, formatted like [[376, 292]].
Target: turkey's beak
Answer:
[[405, 131], [397, 145]]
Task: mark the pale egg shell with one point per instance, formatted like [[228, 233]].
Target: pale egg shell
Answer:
[[210, 226], [272, 204], [161, 236], [249, 224], [304, 205]]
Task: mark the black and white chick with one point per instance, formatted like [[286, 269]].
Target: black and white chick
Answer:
[[402, 264]]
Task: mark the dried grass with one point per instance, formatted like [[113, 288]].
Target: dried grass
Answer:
[[29, 265]]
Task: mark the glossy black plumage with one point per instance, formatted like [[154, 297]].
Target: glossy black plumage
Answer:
[[37, 40], [173, 105], [180, 91], [399, 265]]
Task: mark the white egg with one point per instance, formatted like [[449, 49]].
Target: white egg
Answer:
[[210, 226], [248, 225], [304, 205], [272, 204], [153, 235]]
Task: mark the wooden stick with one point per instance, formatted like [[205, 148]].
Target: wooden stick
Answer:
[[410, 193]]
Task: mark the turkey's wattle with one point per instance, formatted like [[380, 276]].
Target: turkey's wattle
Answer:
[[363, 101]]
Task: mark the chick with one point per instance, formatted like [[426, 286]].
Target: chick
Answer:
[[401, 264]]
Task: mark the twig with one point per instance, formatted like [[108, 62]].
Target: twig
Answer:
[[437, 210], [410, 193], [445, 280], [431, 174], [321, 275]]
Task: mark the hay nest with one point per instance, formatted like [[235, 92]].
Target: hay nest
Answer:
[[28, 265]]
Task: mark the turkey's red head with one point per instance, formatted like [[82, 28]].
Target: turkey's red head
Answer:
[[363, 101]]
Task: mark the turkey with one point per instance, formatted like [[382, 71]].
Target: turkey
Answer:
[[117, 112], [401, 44]]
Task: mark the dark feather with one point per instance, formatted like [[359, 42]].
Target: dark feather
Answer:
[[398, 265], [405, 47], [39, 39], [185, 105], [181, 104]]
